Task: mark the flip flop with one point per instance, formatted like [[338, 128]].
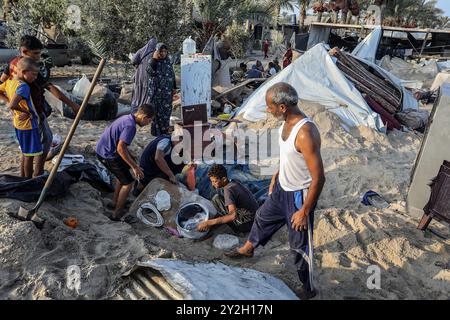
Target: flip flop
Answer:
[[235, 254], [130, 219]]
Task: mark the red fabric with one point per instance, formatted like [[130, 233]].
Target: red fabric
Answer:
[[287, 58], [190, 178], [387, 118]]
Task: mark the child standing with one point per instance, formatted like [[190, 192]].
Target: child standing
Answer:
[[25, 118], [112, 151], [32, 47]]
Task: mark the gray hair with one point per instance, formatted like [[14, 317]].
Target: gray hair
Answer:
[[283, 93]]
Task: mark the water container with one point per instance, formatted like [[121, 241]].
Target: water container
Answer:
[[189, 46]]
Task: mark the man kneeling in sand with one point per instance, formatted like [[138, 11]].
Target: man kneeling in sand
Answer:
[[294, 189], [236, 207], [112, 151]]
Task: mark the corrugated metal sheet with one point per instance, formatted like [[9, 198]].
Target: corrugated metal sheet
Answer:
[[147, 284]]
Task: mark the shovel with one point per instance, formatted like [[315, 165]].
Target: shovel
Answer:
[[27, 214]]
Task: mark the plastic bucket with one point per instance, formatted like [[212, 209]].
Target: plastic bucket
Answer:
[[189, 211]]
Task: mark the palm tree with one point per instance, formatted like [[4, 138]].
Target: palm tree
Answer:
[[216, 15], [303, 6], [282, 4], [413, 12]]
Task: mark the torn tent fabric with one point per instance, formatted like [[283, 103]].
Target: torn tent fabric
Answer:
[[317, 78]]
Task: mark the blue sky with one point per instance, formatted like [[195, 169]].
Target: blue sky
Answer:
[[444, 5]]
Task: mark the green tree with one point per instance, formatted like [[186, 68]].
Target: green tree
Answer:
[[217, 15], [33, 17]]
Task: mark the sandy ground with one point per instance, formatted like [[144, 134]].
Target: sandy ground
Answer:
[[348, 236]]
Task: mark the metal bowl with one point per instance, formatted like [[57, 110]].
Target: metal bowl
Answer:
[[187, 211]]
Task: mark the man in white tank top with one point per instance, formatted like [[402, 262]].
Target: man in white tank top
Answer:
[[294, 189]]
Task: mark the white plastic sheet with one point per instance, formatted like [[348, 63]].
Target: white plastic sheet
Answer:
[[316, 78], [440, 79], [224, 282], [367, 49]]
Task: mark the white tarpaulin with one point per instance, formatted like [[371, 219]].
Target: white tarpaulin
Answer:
[[367, 49], [217, 281], [413, 76], [440, 79], [317, 78]]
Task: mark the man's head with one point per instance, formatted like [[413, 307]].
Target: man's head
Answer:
[[280, 99], [144, 114], [218, 176], [243, 66], [27, 69], [31, 47]]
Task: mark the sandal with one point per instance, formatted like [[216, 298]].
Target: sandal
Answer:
[[235, 254]]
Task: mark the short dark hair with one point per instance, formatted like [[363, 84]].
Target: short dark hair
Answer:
[[218, 171], [31, 43], [28, 64], [147, 109]]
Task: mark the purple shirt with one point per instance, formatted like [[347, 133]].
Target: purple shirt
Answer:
[[123, 129]]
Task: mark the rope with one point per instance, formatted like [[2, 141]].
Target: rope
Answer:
[[148, 205]]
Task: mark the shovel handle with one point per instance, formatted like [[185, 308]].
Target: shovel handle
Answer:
[[52, 175]]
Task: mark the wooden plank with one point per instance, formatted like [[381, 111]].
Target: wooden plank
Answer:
[[239, 86]]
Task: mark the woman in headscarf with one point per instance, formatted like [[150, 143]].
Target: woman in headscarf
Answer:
[[140, 87], [161, 89]]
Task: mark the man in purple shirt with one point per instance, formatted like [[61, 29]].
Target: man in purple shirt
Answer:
[[112, 151]]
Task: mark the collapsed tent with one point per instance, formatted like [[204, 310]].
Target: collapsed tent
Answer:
[[382, 91], [29, 190], [413, 76], [367, 48], [317, 78]]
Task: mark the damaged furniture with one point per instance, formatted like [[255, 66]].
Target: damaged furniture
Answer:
[[432, 154], [438, 207]]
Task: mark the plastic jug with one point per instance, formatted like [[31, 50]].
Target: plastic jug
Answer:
[[189, 46]]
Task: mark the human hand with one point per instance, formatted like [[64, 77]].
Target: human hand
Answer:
[[173, 179], [271, 186], [138, 173], [156, 55], [203, 227], [300, 220], [192, 164], [24, 116]]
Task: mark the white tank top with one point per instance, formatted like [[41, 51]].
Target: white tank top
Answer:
[[294, 174]]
